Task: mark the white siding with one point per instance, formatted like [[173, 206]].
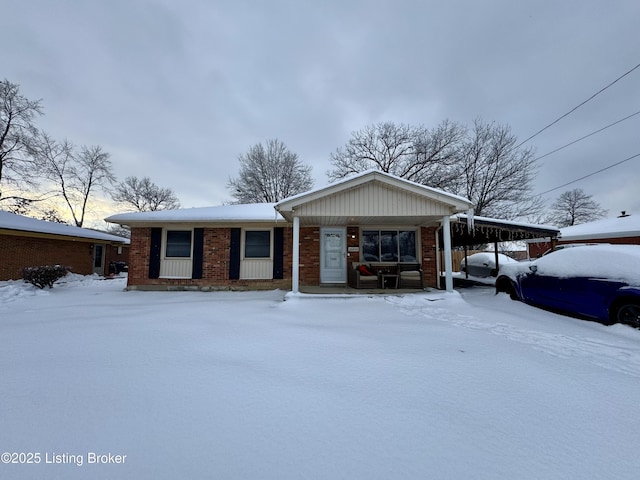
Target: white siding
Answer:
[[256, 269], [176, 268], [373, 199]]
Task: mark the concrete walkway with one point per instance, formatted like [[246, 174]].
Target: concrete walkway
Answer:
[[346, 290]]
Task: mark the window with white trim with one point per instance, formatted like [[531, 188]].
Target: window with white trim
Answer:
[[178, 244], [257, 244], [389, 245]]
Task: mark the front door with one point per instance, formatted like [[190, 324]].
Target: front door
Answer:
[[333, 255], [98, 259]]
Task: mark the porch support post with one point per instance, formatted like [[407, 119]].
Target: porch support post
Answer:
[[295, 269], [448, 268]]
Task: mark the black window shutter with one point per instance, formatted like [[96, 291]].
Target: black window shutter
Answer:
[[198, 250], [154, 252], [278, 252], [234, 254]]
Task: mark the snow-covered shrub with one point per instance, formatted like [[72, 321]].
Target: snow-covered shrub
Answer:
[[44, 276]]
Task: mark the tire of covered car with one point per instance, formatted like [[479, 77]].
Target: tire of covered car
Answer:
[[504, 284], [628, 313]]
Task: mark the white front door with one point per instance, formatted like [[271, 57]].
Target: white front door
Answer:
[[333, 255]]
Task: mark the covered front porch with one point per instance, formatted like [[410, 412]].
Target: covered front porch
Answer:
[[339, 224]]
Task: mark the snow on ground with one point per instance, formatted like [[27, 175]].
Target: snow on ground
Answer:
[[244, 385]]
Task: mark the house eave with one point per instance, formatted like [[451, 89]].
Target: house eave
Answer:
[[457, 204]]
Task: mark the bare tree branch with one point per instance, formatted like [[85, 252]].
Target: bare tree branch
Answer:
[[76, 173], [496, 175], [269, 174], [574, 207], [17, 130], [481, 164], [144, 195]]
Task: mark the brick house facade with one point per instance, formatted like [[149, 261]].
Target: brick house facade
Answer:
[[253, 246], [216, 260], [26, 242]]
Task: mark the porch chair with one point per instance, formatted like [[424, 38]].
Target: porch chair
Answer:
[[410, 275], [358, 280]]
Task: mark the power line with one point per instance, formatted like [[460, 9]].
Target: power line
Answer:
[[590, 175], [578, 106], [589, 135]]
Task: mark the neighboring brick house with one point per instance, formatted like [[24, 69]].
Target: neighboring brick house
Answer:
[[624, 229], [305, 240], [28, 242]]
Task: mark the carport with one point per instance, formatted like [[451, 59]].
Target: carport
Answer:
[[468, 230]]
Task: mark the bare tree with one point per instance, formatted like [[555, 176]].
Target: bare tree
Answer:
[[384, 146], [144, 195], [76, 172], [574, 207], [437, 154], [52, 215], [481, 164], [18, 205], [496, 176], [17, 130], [414, 153], [118, 230], [269, 174]]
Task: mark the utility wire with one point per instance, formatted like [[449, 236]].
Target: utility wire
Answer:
[[578, 106], [587, 136], [590, 175]]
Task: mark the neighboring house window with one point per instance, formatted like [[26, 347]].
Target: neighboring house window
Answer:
[[178, 244], [389, 246], [257, 244]]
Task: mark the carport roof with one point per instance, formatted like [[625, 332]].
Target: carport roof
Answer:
[[466, 230]]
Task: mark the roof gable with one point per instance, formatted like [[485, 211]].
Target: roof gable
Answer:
[[360, 193]]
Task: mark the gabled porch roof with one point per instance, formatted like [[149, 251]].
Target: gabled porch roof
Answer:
[[372, 197]]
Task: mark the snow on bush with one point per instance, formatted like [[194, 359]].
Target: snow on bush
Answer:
[[45, 275]]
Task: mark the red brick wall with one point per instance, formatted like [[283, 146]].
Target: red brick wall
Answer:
[[139, 255], [215, 263], [17, 252], [309, 256], [112, 255], [429, 255], [216, 259], [537, 249], [353, 240]]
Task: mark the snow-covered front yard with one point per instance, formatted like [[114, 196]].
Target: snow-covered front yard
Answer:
[[244, 385]]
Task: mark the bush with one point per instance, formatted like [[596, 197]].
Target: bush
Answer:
[[44, 276]]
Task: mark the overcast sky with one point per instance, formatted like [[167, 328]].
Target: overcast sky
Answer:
[[176, 90]]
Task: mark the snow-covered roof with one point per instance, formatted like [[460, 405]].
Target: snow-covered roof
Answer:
[[254, 212], [620, 227], [11, 221], [266, 212]]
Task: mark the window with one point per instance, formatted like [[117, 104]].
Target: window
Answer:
[[389, 246], [178, 243], [257, 244]]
